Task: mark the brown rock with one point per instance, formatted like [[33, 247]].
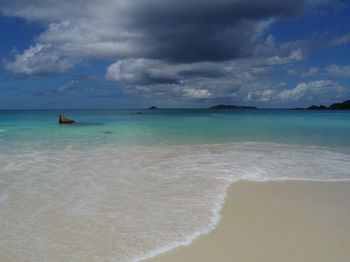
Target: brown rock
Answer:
[[64, 120]]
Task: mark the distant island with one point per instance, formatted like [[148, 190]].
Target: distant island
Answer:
[[222, 106], [153, 107], [336, 106]]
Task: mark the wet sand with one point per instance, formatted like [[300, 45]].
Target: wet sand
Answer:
[[276, 221]]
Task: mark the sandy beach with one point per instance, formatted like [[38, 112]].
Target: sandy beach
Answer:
[[276, 221]]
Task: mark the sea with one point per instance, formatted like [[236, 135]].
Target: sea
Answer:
[[127, 185]]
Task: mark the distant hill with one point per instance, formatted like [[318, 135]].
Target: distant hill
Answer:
[[336, 106], [222, 106]]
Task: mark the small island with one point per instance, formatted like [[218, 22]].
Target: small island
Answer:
[[336, 106], [153, 108], [222, 106]]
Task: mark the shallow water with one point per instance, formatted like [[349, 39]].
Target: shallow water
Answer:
[[174, 127], [124, 187]]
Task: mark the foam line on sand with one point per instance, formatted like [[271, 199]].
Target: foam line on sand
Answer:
[[276, 221]]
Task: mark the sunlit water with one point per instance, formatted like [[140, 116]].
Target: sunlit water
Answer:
[[121, 186]]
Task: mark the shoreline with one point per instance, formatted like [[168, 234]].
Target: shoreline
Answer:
[[287, 220]]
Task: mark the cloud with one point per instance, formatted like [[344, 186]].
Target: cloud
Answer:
[[150, 72], [318, 90], [197, 93], [312, 90], [312, 71], [294, 56], [240, 80], [176, 31], [165, 49], [297, 50], [333, 70], [261, 95], [340, 40], [339, 71], [70, 85], [40, 59], [142, 72], [197, 81]]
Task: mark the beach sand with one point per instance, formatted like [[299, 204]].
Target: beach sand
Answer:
[[276, 221]]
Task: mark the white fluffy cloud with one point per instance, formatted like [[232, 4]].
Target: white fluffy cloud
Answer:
[[39, 59], [306, 91], [244, 80], [312, 90], [142, 71], [199, 81]]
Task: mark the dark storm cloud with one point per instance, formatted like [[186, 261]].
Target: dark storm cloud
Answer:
[[191, 31], [208, 12]]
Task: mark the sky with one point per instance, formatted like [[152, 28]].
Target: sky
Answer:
[[173, 53]]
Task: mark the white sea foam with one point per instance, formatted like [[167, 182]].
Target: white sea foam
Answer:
[[130, 203]]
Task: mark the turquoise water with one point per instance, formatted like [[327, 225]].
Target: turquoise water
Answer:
[[175, 127], [121, 186]]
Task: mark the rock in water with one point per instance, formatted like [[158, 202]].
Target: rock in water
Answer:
[[64, 120]]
